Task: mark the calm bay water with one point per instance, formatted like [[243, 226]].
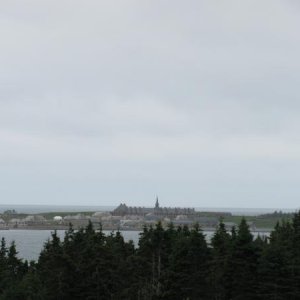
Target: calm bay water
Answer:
[[29, 243]]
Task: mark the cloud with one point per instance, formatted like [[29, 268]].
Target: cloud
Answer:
[[148, 83]]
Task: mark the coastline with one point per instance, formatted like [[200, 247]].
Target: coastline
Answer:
[[66, 227]]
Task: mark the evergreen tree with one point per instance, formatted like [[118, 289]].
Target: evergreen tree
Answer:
[[274, 266], [220, 268], [149, 255], [50, 269], [13, 270], [244, 264], [188, 266]]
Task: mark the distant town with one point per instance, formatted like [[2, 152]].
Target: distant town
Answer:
[[135, 218]]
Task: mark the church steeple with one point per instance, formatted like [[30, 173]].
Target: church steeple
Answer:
[[156, 203]]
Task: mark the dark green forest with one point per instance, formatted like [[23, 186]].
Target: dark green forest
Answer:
[[169, 263]]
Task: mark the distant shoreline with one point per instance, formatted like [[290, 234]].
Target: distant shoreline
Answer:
[[51, 228], [39, 209]]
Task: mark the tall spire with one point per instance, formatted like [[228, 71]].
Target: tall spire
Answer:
[[156, 203]]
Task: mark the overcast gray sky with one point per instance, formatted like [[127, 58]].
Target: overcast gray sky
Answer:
[[103, 102]]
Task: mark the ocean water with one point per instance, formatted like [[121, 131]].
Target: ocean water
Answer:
[[29, 243]]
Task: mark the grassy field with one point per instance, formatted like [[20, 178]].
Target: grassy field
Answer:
[[263, 221]]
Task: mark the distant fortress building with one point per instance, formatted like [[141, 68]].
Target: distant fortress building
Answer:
[[123, 210]]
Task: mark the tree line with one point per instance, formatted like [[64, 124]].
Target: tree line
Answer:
[[173, 263]]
